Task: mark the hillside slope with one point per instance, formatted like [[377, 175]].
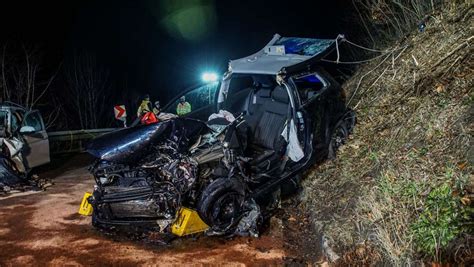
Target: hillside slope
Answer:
[[400, 191]]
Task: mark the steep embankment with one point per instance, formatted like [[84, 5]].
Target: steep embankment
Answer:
[[400, 191]]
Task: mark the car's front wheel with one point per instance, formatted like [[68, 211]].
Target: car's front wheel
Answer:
[[220, 205]]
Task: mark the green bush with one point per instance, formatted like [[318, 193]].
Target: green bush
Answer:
[[439, 222]]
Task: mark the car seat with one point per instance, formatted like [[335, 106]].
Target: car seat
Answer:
[[266, 118]]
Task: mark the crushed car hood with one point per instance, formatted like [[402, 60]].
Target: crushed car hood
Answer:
[[132, 144]]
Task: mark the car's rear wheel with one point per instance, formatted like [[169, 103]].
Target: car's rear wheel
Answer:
[[9, 173], [10, 165], [350, 120], [338, 138], [220, 204]]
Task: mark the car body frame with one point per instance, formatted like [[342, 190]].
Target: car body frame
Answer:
[[247, 139]]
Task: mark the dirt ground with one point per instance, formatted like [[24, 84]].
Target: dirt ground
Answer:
[[44, 228]]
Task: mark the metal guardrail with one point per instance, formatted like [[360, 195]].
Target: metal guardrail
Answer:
[[73, 141]]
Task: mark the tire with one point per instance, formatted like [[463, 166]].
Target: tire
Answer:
[[9, 174], [221, 202], [338, 138], [350, 120]]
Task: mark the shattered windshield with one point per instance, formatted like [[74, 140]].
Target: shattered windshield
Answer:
[[197, 98], [304, 46]]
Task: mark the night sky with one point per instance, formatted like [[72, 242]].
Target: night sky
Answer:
[[161, 47]]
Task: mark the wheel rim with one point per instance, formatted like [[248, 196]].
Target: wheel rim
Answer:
[[337, 140], [226, 209]]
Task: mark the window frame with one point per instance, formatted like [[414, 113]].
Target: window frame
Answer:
[[40, 120], [324, 81], [171, 106]]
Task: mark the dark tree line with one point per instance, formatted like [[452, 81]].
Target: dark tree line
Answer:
[[77, 93]]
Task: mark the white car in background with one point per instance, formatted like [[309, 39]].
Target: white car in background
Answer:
[[25, 143]]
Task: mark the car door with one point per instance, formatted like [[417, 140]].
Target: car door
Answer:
[[312, 88], [321, 96], [201, 98], [36, 150]]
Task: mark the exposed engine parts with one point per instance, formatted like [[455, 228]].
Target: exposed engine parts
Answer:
[[157, 183]]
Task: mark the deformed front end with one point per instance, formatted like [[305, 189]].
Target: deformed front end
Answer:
[[142, 176]]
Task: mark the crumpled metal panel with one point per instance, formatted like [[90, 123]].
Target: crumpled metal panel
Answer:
[[128, 144], [131, 144]]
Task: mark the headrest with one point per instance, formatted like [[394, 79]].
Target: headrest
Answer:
[[263, 81], [263, 93], [279, 94]]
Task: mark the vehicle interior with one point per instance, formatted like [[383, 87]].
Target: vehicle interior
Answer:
[[309, 86], [266, 108]]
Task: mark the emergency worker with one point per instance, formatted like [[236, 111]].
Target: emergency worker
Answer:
[[145, 106], [157, 108], [183, 107]]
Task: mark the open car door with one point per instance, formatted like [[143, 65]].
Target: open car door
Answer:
[[36, 149], [202, 101]]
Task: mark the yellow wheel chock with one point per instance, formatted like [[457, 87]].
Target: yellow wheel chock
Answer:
[[86, 208], [188, 222]]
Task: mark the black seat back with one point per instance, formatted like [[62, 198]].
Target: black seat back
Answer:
[[269, 118]]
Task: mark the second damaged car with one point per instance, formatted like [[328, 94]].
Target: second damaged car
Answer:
[[245, 142], [25, 145]]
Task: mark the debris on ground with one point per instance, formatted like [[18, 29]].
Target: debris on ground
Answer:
[[248, 224]]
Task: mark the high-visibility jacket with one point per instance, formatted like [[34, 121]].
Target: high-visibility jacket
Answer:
[[144, 107], [183, 108]]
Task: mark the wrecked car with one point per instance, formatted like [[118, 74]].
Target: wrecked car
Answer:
[[25, 144], [245, 142]]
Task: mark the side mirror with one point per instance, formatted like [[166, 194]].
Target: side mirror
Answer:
[[27, 129]]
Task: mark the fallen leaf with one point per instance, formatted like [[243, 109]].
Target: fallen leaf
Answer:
[[462, 165], [440, 88], [466, 201]]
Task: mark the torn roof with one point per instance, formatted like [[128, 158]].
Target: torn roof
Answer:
[[279, 53]]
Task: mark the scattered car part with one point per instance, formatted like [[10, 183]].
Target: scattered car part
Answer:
[[250, 221]]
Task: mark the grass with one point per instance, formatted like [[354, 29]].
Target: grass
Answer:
[[439, 222], [401, 187]]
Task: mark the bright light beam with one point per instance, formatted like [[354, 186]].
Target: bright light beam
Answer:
[[209, 77]]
